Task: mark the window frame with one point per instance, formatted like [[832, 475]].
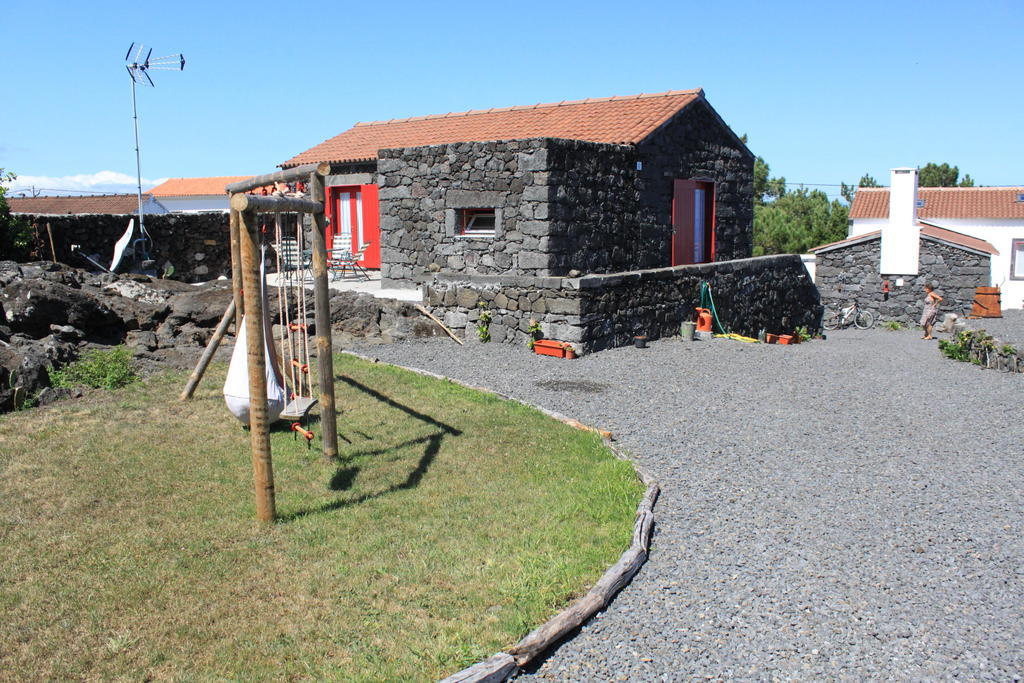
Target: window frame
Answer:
[[1015, 246], [466, 217]]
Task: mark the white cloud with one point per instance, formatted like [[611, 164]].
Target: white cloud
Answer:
[[111, 182]]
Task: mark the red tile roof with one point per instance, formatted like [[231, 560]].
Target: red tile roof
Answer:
[[103, 203], [945, 202], [621, 120], [927, 230], [181, 187]]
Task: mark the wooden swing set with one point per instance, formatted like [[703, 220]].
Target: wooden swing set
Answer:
[[244, 223]]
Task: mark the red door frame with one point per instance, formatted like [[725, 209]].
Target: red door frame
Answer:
[[683, 231], [371, 221]]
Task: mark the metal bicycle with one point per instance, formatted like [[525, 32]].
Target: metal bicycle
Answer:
[[851, 315]]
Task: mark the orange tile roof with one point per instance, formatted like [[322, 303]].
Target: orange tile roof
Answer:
[[182, 187], [87, 204], [621, 119], [927, 230], [945, 202], [957, 238]]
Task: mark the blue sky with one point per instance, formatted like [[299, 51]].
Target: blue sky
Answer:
[[825, 91]]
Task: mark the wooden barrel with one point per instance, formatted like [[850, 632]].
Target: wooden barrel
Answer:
[[986, 303]]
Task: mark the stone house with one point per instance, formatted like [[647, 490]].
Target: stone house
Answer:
[[885, 269], [992, 214], [594, 186], [597, 218]]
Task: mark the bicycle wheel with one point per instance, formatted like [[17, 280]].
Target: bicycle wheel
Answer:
[[831, 321], [865, 320]]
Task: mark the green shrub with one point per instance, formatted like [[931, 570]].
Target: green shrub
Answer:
[[894, 325], [99, 369], [483, 327]]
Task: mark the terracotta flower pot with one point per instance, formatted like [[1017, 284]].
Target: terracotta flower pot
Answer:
[[771, 338], [786, 339]]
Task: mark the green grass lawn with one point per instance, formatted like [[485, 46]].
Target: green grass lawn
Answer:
[[453, 524]]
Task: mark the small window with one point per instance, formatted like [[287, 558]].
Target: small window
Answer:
[[478, 222], [1017, 260], [1020, 196], [919, 203]]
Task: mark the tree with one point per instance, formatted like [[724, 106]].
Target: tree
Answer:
[[942, 175], [766, 188], [797, 221], [792, 222], [15, 232], [848, 191]]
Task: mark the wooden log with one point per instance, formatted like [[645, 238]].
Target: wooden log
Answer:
[[322, 316], [288, 175], [444, 327], [49, 233], [211, 348], [599, 596], [270, 204], [236, 267], [498, 668], [259, 425]]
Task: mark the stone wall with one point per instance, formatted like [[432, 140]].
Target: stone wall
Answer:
[[196, 245], [602, 311], [699, 146], [851, 273], [422, 189]]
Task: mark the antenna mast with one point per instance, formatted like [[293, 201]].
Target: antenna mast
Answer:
[[139, 72]]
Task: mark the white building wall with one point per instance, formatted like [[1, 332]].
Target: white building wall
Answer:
[[862, 226], [193, 204]]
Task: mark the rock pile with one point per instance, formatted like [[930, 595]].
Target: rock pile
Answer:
[[50, 313]]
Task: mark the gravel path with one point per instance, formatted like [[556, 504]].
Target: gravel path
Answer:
[[850, 508]]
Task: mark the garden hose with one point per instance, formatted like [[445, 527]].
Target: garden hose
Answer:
[[737, 337], [707, 301]]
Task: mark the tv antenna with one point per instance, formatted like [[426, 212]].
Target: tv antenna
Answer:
[[139, 72]]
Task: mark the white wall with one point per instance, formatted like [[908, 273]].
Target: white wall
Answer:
[[862, 226], [195, 203]]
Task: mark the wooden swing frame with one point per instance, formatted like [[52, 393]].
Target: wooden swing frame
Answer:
[[245, 276]]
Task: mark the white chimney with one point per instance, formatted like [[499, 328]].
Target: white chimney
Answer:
[[901, 239]]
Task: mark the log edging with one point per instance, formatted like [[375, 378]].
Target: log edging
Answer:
[[504, 665]]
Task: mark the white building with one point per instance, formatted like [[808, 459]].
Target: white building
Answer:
[[195, 195], [992, 214]]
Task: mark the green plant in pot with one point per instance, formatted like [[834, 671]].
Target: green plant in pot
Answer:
[[534, 331]]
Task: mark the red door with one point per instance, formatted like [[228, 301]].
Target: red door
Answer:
[[353, 211], [693, 222]]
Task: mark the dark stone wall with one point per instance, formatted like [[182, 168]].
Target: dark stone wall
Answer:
[[697, 145], [597, 222], [600, 311], [196, 245], [422, 189], [851, 273]]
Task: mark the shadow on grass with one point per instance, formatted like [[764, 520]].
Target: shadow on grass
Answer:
[[344, 477]]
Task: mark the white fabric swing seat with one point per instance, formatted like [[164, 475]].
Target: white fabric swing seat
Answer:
[[236, 386]]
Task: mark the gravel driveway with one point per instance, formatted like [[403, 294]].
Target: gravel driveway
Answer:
[[849, 508]]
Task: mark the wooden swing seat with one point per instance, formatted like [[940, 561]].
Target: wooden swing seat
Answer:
[[298, 408]]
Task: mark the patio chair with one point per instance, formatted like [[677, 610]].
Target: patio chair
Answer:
[[292, 259], [339, 261]]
